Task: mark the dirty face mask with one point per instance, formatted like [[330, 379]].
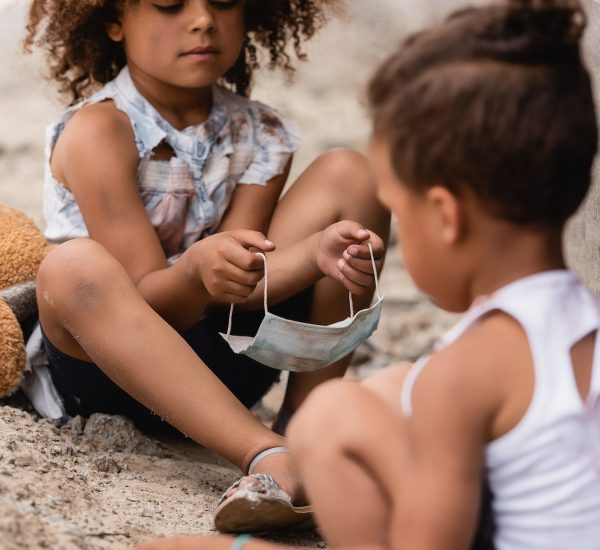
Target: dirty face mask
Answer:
[[289, 345]]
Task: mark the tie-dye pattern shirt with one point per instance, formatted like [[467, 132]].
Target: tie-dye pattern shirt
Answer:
[[241, 142]]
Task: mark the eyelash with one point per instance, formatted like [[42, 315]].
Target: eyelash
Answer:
[[170, 9], [174, 8], [225, 5]]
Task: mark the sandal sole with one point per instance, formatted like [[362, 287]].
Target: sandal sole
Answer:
[[261, 513]]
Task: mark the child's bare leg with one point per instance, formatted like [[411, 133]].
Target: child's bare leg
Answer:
[[350, 447], [90, 309], [338, 185]]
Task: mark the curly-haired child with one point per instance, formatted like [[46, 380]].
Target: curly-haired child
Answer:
[[485, 135], [175, 175]]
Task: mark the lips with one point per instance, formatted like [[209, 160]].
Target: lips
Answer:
[[202, 50]]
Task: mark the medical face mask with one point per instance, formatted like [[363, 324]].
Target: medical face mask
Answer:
[[302, 347]]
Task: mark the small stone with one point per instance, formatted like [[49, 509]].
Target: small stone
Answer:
[[107, 465], [77, 425], [23, 461]]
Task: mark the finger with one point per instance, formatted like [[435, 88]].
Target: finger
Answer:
[[353, 231], [360, 278], [234, 273], [351, 285], [363, 251], [365, 266], [253, 239], [242, 258], [236, 291], [230, 298]]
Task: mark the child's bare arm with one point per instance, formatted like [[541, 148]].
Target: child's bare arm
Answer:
[[96, 158], [294, 268], [252, 206], [454, 402]]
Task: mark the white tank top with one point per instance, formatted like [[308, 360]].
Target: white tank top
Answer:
[[545, 473]]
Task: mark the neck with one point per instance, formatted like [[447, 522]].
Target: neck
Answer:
[[180, 107], [509, 253]]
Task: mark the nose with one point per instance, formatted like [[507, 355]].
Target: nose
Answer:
[[201, 18]]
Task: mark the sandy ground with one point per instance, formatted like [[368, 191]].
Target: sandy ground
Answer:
[[100, 483]]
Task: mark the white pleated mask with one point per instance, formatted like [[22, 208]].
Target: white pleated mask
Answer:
[[289, 345]]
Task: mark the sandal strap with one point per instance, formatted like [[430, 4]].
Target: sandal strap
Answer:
[[263, 454], [267, 485]]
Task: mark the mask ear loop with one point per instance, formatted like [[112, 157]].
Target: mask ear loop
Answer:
[[266, 289], [265, 293], [379, 295], [376, 281]]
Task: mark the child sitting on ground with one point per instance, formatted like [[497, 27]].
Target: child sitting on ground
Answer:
[[484, 138], [175, 175]]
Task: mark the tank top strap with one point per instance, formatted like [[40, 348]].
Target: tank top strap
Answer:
[[554, 309], [594, 394], [482, 306]]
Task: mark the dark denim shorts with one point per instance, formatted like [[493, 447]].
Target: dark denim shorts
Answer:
[[85, 389]]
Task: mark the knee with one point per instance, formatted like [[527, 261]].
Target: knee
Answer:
[[349, 172], [76, 274], [321, 423]]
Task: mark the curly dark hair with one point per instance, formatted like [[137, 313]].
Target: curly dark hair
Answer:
[[496, 99], [81, 55]]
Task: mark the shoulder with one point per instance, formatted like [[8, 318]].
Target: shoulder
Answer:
[[95, 133], [257, 118], [101, 119], [474, 378], [99, 126]]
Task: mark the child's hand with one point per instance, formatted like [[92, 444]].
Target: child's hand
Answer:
[[343, 254], [226, 267]]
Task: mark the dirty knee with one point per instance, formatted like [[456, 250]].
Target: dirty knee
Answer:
[[76, 275]]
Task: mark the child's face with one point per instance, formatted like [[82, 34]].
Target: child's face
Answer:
[[423, 232], [183, 43]]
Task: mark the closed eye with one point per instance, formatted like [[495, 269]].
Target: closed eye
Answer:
[[225, 4], [169, 8]]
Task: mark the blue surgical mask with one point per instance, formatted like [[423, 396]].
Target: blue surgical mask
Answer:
[[289, 345]]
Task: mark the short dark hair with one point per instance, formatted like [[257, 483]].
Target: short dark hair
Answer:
[[496, 99]]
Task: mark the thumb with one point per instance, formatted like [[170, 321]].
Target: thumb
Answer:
[[353, 231], [253, 239]]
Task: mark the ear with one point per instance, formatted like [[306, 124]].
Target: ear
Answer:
[[115, 31], [447, 209]]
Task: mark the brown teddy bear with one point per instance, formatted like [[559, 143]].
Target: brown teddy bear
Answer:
[[22, 249]]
